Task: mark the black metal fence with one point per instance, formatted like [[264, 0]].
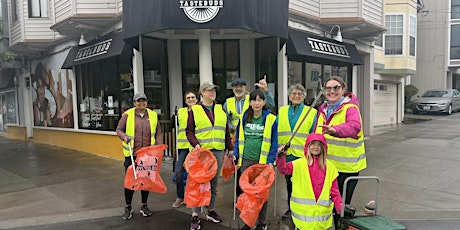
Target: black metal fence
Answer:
[[169, 137]]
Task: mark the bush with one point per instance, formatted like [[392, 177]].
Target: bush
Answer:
[[409, 92]]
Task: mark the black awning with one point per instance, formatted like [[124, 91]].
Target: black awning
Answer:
[[303, 46], [141, 17], [104, 47]]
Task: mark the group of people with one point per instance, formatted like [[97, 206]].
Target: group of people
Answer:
[[327, 148]]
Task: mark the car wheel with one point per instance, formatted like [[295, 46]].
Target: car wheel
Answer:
[[449, 110], [415, 111]]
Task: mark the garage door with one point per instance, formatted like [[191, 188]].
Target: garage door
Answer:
[[385, 103]]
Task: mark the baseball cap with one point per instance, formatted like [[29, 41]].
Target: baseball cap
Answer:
[[238, 81], [138, 96], [208, 86]]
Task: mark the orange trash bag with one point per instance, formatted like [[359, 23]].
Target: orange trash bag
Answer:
[[228, 168], [255, 183], [201, 166], [148, 167]]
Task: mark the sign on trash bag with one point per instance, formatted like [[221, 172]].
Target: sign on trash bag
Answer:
[[148, 167]]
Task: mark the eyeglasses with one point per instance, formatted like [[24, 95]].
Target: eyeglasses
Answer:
[[296, 94], [190, 98], [335, 88]]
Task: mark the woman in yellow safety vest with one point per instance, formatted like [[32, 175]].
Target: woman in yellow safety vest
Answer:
[[138, 127], [256, 141], [315, 190], [207, 128], [289, 118], [183, 146], [340, 120]]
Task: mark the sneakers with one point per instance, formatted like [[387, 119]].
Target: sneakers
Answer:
[[262, 227], [145, 211], [195, 225], [246, 227], [212, 215], [128, 213], [178, 203], [287, 215]]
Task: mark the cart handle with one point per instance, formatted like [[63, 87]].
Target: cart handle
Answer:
[[342, 212]]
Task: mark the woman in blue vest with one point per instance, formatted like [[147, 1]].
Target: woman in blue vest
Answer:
[[256, 141], [183, 145], [138, 127]]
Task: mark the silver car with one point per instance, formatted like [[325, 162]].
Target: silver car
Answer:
[[438, 100]]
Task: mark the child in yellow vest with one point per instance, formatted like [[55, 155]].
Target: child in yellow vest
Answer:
[[315, 190]]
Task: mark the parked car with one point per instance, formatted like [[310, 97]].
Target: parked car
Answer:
[[438, 100]]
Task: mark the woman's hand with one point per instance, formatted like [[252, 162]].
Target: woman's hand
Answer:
[[328, 129]]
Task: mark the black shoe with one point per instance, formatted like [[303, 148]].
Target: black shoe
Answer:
[[212, 216], [195, 225], [287, 215], [245, 227], [128, 213], [262, 227], [145, 211]]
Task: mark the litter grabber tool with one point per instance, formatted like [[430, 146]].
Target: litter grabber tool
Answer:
[[370, 220], [176, 132], [132, 159], [317, 97]]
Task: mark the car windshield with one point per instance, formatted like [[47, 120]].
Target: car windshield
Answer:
[[436, 93]]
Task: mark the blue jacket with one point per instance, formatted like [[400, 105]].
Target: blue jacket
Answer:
[[274, 145]]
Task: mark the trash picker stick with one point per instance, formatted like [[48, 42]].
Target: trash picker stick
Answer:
[[234, 194], [177, 133], [132, 159], [276, 188], [288, 144]]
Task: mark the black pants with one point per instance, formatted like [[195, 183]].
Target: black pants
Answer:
[[289, 189], [130, 193]]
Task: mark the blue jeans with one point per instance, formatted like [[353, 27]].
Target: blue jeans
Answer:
[[219, 154], [179, 173]]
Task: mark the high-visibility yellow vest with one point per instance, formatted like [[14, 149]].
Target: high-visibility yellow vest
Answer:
[[307, 212], [231, 107], [182, 117], [266, 140], [209, 136], [347, 154], [284, 130], [130, 126]]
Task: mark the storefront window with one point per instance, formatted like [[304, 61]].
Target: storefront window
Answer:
[[155, 76], [102, 100], [225, 65], [7, 109], [267, 63]]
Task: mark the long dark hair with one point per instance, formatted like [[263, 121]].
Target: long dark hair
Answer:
[[252, 97]]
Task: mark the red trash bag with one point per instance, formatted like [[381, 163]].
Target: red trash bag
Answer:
[[148, 167], [228, 168], [201, 165], [255, 183]]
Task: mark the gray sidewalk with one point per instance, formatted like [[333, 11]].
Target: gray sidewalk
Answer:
[[45, 187]]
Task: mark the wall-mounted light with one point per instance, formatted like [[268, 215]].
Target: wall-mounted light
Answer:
[[338, 36], [82, 40]]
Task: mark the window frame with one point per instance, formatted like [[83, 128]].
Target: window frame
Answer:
[[42, 6], [454, 6], [389, 33], [412, 34]]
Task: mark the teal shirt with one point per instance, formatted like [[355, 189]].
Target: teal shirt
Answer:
[[253, 137]]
